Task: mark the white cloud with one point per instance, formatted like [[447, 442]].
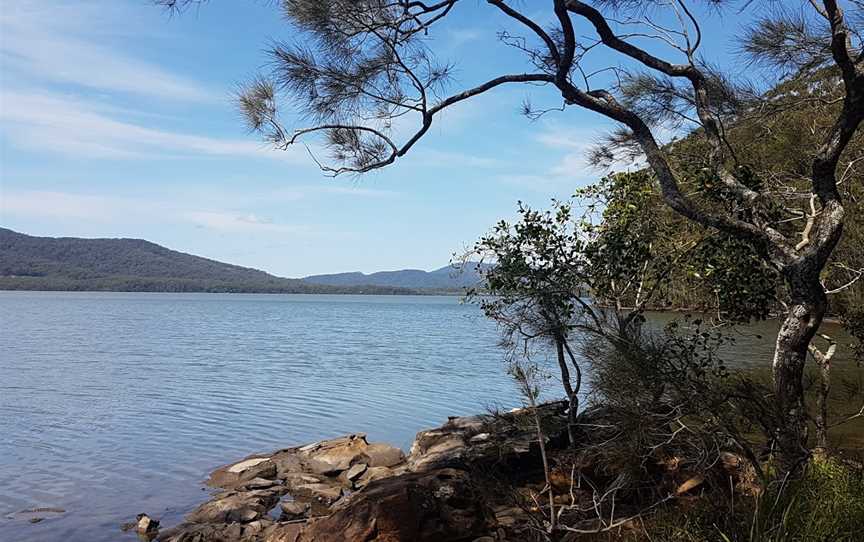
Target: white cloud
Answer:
[[240, 223], [451, 159], [59, 205], [577, 143], [123, 211], [457, 37], [50, 41], [351, 190], [67, 125]]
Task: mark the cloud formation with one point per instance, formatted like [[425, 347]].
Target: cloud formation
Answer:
[[68, 125], [49, 41]]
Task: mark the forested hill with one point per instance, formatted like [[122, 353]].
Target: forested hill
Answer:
[[69, 263], [445, 278]]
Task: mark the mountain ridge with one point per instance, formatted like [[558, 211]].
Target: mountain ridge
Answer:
[[447, 277], [129, 264]]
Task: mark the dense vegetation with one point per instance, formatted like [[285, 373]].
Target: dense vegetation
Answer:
[[135, 265], [445, 278]]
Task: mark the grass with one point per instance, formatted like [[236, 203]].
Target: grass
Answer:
[[825, 505]]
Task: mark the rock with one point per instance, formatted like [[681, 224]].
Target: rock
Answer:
[[253, 528], [323, 492], [258, 483], [284, 533], [248, 469], [371, 474], [383, 455], [480, 437], [208, 532], [146, 525], [437, 448], [242, 507], [322, 467], [472, 441], [420, 507], [287, 461], [294, 479], [293, 510], [508, 515], [237, 468], [335, 455], [349, 476]]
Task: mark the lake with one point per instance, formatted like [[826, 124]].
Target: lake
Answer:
[[113, 404]]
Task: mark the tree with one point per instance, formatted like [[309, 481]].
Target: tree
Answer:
[[358, 66], [533, 290]]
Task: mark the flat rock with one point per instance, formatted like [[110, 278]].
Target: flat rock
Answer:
[[324, 492], [293, 510], [248, 464], [383, 455], [237, 473], [258, 483], [294, 479], [287, 461], [334, 455]]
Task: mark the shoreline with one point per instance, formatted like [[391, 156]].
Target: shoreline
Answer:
[[341, 488]]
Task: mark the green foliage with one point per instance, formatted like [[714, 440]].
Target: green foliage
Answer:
[[629, 252], [537, 278], [641, 253], [743, 286]]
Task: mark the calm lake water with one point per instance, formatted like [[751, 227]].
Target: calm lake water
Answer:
[[113, 404]]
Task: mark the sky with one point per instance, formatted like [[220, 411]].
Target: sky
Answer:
[[116, 120]]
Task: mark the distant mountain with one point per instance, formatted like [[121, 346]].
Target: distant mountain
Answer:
[[70, 263], [446, 278]]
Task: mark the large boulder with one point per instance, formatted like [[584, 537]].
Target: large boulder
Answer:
[[383, 455], [335, 455], [433, 506]]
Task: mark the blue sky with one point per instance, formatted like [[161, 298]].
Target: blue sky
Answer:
[[116, 121]]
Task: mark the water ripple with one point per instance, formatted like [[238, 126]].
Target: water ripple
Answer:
[[113, 404]]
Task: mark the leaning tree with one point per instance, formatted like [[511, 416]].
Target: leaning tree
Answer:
[[362, 71]]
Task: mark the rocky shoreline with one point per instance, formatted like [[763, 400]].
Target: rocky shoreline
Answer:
[[351, 489]]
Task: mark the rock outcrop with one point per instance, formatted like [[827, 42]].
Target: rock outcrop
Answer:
[[347, 489], [421, 507]]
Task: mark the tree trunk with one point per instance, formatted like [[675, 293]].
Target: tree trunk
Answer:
[[822, 404], [568, 389], [806, 309], [823, 361]]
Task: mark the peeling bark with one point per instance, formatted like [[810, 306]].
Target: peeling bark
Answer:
[[806, 311]]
